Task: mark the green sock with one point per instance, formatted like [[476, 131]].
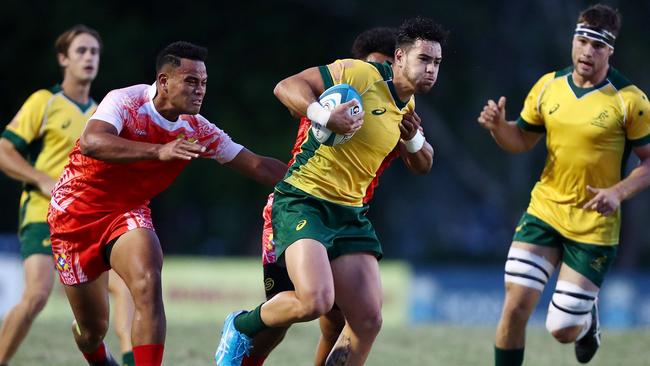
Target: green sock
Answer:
[[250, 323], [127, 359], [508, 357]]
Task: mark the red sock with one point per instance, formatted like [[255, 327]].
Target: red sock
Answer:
[[253, 361], [148, 354], [98, 355]]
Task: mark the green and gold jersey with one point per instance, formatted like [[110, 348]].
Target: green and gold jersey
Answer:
[[342, 173], [44, 131], [589, 135]]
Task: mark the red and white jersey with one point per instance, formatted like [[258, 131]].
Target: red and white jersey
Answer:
[[88, 185]]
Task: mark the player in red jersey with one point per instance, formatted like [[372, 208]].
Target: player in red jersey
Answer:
[[372, 45], [133, 147]]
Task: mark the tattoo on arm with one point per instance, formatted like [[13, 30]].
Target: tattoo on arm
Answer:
[[340, 352]]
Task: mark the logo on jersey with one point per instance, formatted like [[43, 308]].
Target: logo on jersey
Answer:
[[378, 111], [601, 119], [66, 124], [554, 108], [301, 224]]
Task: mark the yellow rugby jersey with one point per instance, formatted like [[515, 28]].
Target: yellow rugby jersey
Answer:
[[589, 135], [44, 131], [341, 174]]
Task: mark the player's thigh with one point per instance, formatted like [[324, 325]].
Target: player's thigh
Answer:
[[358, 285], [89, 302], [309, 269], [136, 254], [39, 274]]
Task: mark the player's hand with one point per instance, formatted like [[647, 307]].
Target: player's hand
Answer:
[[409, 126], [180, 149], [493, 114], [606, 200], [342, 122], [46, 184]]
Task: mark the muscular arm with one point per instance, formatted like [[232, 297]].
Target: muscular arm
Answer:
[[263, 169], [15, 166], [100, 141], [419, 162], [297, 92], [513, 139]]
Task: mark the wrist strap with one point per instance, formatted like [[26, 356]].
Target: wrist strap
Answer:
[[318, 114], [415, 144]]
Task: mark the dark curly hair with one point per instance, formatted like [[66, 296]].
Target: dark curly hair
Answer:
[[420, 28], [601, 16], [380, 39], [174, 52]]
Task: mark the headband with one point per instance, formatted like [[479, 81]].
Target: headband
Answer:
[[596, 34]]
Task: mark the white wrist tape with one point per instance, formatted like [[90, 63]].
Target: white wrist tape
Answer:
[[415, 144], [318, 114]]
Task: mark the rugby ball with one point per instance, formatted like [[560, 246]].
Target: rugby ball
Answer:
[[329, 100]]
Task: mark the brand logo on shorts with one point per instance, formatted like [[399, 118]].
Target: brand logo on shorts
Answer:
[[46, 242], [301, 224], [268, 284], [518, 228], [599, 263]]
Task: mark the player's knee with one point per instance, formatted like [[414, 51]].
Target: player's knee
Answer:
[[566, 335], [569, 311], [368, 323], [316, 304], [146, 289], [35, 301], [91, 333]]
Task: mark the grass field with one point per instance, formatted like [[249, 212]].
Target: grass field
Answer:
[[200, 292], [193, 343]]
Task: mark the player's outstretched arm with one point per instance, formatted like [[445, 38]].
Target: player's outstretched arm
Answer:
[[414, 150], [507, 134], [15, 166], [266, 170], [100, 141], [607, 200]]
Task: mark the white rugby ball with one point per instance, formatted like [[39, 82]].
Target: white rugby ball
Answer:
[[330, 98]]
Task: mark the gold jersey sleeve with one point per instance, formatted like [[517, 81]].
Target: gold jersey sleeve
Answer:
[[531, 118], [28, 123], [637, 115]]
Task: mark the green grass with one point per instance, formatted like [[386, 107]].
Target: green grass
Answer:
[[193, 343], [200, 292]]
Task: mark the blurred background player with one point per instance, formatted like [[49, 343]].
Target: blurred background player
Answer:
[[591, 115], [331, 247], [373, 45], [34, 149], [134, 146]]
